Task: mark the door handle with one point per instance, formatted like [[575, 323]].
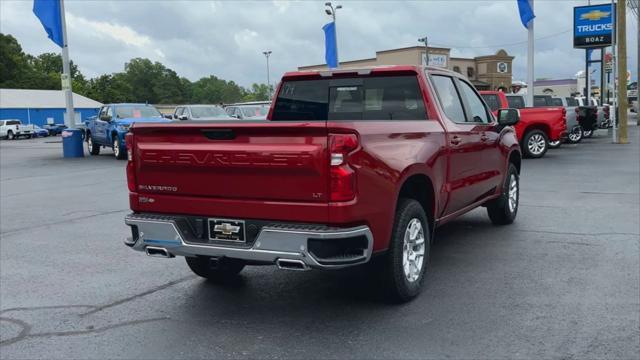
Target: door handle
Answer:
[[456, 140]]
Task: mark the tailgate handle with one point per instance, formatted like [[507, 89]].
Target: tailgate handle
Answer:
[[219, 134]]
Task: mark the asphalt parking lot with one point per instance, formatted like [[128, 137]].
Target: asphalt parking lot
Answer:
[[562, 282]]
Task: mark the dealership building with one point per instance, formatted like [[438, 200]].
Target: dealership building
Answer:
[[40, 107], [489, 72]]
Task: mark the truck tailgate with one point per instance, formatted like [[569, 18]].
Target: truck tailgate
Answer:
[[280, 161]]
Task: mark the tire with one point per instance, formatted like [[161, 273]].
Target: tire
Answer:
[[225, 270], [555, 144], [575, 135], [117, 149], [94, 149], [503, 210], [10, 135], [535, 144], [401, 281], [587, 133]]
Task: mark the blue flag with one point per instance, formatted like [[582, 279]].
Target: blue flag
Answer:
[[331, 49], [526, 13], [48, 12]]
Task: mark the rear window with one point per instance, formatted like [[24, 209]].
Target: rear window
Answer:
[[371, 98], [556, 101], [516, 102], [492, 100], [539, 102], [571, 101]]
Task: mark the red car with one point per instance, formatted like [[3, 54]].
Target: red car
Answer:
[[350, 166], [537, 126]]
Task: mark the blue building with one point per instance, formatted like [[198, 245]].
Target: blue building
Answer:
[[40, 107]]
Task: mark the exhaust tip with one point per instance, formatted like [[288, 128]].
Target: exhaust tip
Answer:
[[291, 264], [158, 252]]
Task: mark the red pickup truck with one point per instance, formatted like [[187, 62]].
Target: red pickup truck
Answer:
[[349, 165], [537, 126]]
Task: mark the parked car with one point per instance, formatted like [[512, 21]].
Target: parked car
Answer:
[[537, 126], [570, 104], [12, 129], [200, 112], [108, 128], [589, 123], [55, 129], [351, 164], [40, 132], [247, 112]]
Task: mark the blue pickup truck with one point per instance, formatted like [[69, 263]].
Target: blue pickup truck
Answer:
[[112, 123]]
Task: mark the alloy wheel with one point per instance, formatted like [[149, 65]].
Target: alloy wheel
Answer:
[[536, 144], [513, 193], [413, 250]]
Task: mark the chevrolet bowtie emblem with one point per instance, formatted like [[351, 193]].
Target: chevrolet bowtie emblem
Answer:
[[227, 229], [594, 15]]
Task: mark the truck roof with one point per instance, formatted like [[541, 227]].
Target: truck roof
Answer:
[[366, 70]]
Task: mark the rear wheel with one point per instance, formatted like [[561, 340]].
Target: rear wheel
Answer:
[[10, 135], [403, 268], [575, 135], [535, 144], [503, 210], [117, 149], [554, 144], [215, 270], [94, 149]]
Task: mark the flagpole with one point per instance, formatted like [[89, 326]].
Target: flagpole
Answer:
[[530, 60], [66, 72]]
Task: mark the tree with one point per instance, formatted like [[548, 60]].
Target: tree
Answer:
[[14, 63]]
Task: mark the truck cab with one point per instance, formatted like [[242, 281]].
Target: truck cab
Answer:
[[112, 123]]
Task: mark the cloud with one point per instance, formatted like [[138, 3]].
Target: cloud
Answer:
[[227, 38]]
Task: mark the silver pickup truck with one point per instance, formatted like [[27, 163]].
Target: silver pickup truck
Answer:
[[571, 106]]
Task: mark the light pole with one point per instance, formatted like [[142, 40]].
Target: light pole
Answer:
[[331, 11], [267, 54], [425, 40]]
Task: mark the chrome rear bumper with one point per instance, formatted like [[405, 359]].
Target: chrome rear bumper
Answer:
[[274, 243]]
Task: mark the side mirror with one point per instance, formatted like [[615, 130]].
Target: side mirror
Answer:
[[168, 116], [182, 117], [508, 117]]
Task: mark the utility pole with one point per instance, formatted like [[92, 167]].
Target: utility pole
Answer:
[[425, 40], [331, 11], [530, 89], [70, 119], [621, 15], [267, 54]]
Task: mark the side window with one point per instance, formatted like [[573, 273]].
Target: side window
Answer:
[[492, 100], [449, 98], [556, 102], [110, 111], [178, 111], [476, 106], [103, 112]]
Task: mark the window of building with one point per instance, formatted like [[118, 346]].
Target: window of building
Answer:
[[470, 72], [457, 69]]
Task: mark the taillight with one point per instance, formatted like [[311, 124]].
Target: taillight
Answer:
[[131, 170], [577, 110], [343, 177], [606, 112]]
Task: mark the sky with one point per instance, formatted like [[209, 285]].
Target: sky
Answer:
[[227, 38]]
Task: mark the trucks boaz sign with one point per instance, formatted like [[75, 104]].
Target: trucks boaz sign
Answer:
[[593, 25]]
